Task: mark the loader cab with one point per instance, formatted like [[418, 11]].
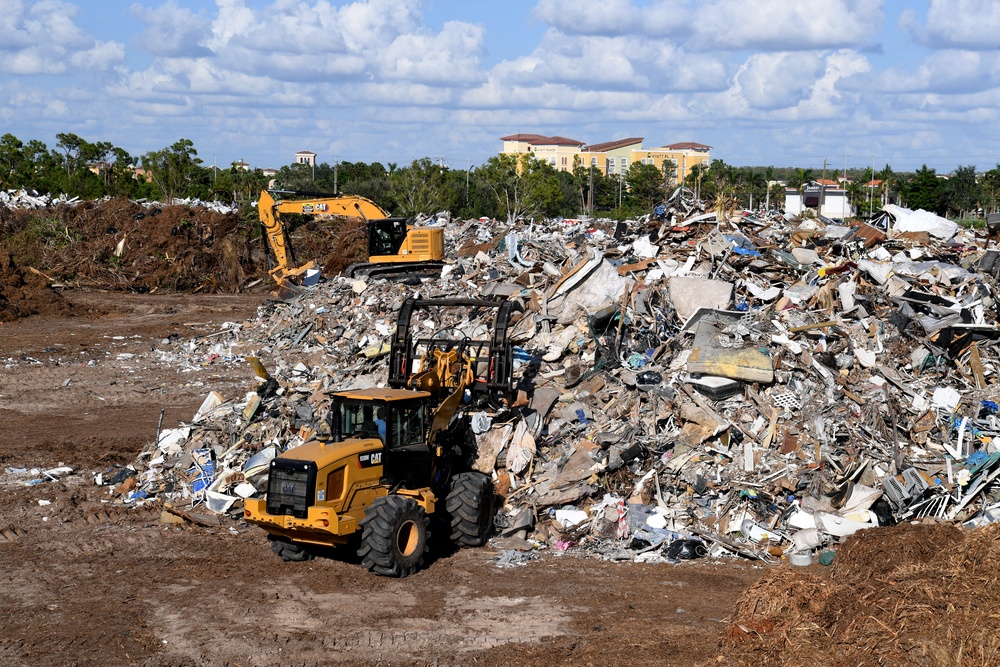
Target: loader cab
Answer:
[[399, 418], [386, 236]]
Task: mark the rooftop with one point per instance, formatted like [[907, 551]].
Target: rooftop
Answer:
[[688, 146], [612, 145]]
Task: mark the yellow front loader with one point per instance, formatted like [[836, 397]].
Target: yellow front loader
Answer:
[[395, 457]]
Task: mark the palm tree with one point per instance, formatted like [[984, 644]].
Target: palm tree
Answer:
[[801, 177], [768, 177], [857, 193], [755, 183]]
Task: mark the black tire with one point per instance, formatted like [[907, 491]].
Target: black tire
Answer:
[[395, 536], [470, 509], [290, 551]]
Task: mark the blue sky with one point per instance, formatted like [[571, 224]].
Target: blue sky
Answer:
[[762, 81]]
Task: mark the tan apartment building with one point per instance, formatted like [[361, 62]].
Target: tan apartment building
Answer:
[[685, 155], [557, 151], [610, 157]]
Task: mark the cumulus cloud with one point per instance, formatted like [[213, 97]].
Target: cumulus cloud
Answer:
[[776, 80], [292, 40], [778, 25], [727, 25], [970, 24], [173, 30], [951, 72], [448, 56], [43, 38], [661, 18]]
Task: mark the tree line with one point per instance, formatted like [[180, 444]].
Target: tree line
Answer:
[[506, 186]]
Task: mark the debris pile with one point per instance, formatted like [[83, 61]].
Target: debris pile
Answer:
[[685, 385]]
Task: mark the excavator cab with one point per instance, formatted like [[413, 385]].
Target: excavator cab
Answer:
[[386, 236]]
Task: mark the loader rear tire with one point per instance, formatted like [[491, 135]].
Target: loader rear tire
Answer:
[[470, 509], [395, 536]]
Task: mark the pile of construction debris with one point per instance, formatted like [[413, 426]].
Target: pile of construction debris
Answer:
[[32, 199], [762, 386]]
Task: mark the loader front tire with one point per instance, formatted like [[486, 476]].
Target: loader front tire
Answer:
[[395, 536], [290, 551], [470, 509]]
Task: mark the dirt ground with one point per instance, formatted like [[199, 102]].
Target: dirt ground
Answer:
[[84, 582]]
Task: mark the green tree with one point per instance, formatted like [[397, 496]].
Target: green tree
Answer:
[[177, 171], [11, 158], [645, 186], [925, 191], [523, 185], [754, 186], [422, 187], [991, 189], [962, 191], [800, 177], [857, 194]]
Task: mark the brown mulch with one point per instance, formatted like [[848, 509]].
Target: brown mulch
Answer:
[[119, 245], [924, 594]]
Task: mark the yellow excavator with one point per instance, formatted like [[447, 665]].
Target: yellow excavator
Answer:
[[396, 457], [393, 247]]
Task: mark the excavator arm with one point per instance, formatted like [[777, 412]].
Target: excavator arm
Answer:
[[271, 209]]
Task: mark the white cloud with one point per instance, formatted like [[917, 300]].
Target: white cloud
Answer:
[[948, 72], [721, 25], [103, 55], [779, 25], [972, 24], [777, 80], [450, 56], [172, 31], [43, 38], [614, 17]]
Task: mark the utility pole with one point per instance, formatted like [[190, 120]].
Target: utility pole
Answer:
[[846, 205], [822, 189], [590, 193], [871, 190]]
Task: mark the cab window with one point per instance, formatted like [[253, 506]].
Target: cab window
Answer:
[[408, 426]]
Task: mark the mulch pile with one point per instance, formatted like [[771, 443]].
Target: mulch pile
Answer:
[[905, 595], [120, 245], [23, 293]]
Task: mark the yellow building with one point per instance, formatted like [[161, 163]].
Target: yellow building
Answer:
[[557, 151], [684, 155], [609, 157]]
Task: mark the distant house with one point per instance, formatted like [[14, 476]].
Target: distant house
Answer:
[[269, 173], [144, 174], [99, 167], [305, 157], [241, 165]]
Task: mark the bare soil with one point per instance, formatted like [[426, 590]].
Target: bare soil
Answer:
[[85, 582]]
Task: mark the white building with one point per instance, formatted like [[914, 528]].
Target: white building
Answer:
[[834, 201]]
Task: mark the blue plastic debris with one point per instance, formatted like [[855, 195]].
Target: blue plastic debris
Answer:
[[743, 246], [205, 469]]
